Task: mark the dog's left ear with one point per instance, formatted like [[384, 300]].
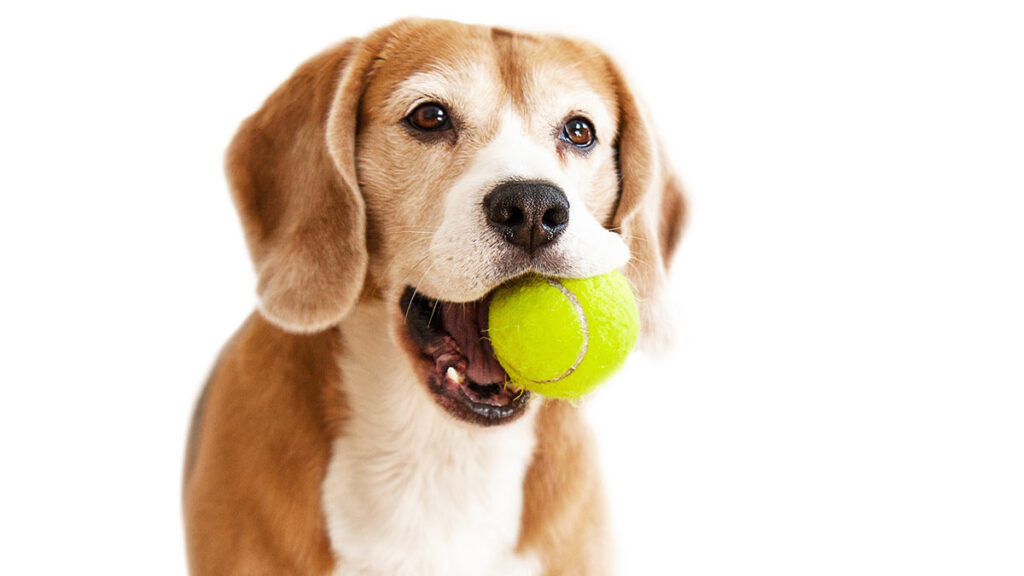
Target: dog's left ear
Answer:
[[650, 213], [292, 171]]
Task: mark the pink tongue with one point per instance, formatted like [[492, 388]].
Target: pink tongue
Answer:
[[466, 323]]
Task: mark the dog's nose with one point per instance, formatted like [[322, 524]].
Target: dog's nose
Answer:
[[527, 214]]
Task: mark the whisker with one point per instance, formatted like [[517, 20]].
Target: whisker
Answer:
[[415, 290], [432, 310], [409, 307], [391, 266], [633, 261]]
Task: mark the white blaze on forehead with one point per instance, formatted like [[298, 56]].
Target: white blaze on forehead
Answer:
[[474, 258], [514, 154]]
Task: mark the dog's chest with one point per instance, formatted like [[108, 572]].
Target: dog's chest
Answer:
[[409, 490]]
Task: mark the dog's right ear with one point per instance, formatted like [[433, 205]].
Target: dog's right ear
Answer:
[[292, 171], [650, 214]]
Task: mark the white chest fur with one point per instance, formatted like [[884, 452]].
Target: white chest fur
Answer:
[[409, 490]]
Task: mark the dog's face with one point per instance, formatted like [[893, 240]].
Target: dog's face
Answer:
[[469, 167], [429, 163]]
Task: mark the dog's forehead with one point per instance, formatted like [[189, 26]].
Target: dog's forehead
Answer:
[[479, 70]]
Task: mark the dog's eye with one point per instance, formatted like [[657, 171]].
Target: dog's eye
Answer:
[[429, 117], [579, 132]]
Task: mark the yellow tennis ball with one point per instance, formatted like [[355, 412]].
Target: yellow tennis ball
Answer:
[[562, 337]]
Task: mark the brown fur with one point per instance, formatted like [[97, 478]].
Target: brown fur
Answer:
[[563, 511], [252, 498], [313, 174]]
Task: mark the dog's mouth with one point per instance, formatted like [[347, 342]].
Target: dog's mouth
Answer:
[[461, 369]]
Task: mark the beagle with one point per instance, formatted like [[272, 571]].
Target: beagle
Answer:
[[357, 423]]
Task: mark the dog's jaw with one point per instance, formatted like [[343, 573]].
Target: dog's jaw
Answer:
[[407, 483], [447, 344]]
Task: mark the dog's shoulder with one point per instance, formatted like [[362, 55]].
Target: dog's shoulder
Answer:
[[259, 447]]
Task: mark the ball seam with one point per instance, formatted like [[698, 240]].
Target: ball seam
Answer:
[[583, 325]]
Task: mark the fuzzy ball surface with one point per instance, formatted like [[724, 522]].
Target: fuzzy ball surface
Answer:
[[562, 337]]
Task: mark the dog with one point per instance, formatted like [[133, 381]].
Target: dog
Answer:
[[357, 422]]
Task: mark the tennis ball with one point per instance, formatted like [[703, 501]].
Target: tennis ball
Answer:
[[563, 337]]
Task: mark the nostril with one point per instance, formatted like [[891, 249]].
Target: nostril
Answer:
[[504, 213], [555, 217], [513, 216]]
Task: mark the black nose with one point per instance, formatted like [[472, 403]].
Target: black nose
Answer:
[[527, 214]]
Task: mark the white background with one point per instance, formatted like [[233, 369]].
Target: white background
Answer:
[[847, 392]]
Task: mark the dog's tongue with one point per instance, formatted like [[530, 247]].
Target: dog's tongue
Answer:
[[466, 323]]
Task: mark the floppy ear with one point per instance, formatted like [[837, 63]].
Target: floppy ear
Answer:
[[298, 195], [650, 214]]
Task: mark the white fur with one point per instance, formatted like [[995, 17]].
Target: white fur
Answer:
[[410, 490], [469, 252]]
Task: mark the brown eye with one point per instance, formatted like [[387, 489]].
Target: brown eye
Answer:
[[579, 132], [429, 117]]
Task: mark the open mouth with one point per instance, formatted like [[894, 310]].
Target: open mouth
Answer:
[[462, 372]]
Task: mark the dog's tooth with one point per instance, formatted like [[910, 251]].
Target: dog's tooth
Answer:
[[453, 375]]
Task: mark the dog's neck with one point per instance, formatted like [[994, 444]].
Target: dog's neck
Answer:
[[407, 484]]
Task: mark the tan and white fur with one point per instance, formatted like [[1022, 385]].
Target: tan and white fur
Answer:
[[316, 447]]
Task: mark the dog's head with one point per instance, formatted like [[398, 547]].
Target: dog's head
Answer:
[[432, 161]]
